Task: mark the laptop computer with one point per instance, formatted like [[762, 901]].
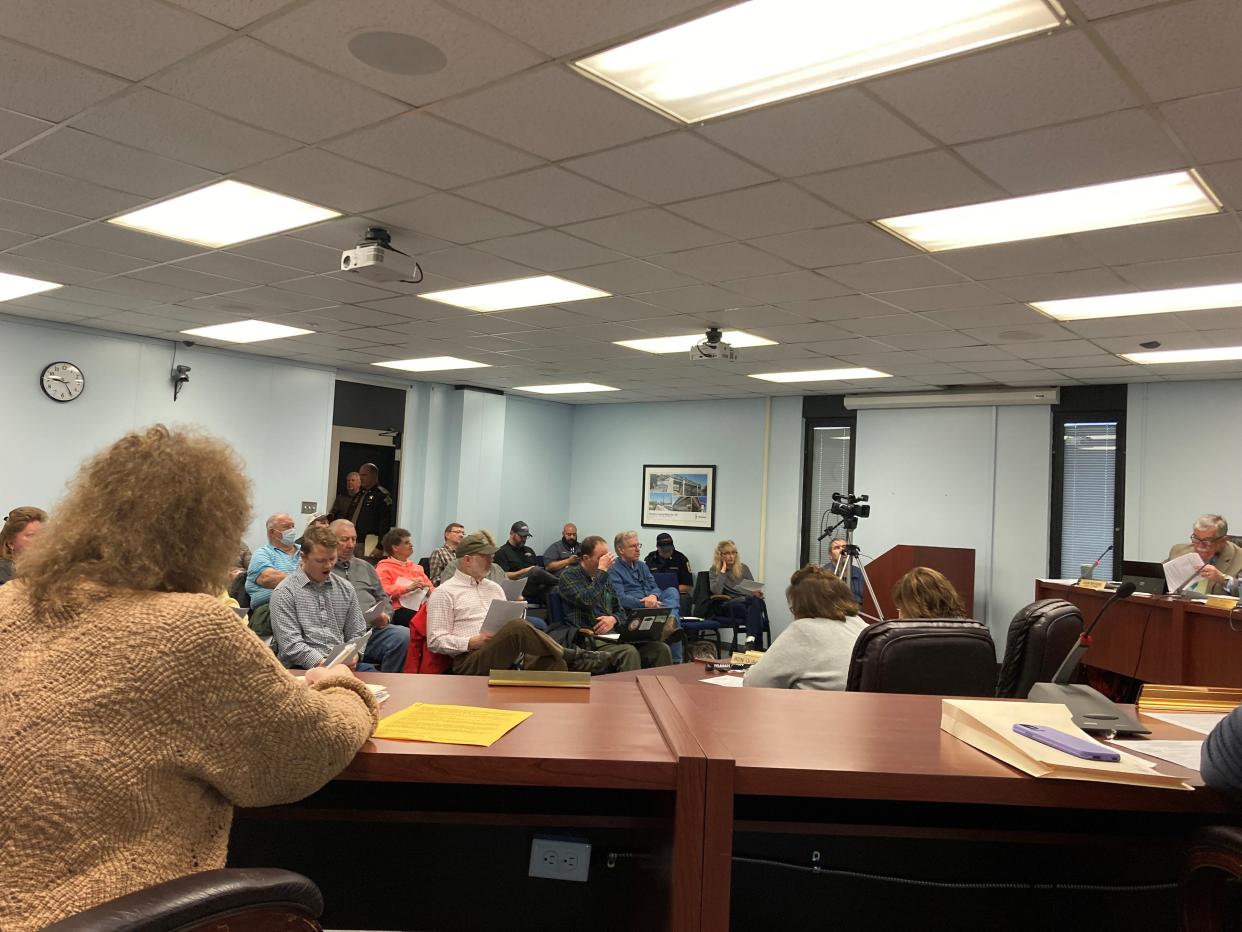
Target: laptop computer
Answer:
[[646, 624], [1147, 577]]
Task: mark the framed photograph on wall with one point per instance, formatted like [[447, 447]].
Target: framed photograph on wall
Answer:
[[679, 496]]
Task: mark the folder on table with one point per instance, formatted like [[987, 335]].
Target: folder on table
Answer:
[[988, 725]]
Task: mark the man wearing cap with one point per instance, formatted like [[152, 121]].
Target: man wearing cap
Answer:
[[636, 587], [455, 614], [564, 552], [666, 559], [518, 561]]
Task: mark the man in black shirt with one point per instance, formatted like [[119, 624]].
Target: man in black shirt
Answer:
[[665, 559], [518, 562], [371, 510]]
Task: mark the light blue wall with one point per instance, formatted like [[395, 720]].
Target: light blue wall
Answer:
[[537, 468]]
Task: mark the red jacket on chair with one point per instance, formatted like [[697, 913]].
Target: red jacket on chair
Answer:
[[420, 658]]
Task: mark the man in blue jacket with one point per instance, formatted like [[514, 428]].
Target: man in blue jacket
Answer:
[[636, 587]]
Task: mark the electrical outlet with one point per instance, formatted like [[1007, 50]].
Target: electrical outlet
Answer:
[[560, 859], [308, 508]]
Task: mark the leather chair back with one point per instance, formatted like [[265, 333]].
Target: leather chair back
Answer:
[[1040, 637], [936, 658]]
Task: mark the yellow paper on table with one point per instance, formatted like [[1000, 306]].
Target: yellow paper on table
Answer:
[[450, 724]]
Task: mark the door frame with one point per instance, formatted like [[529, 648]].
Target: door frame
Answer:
[[359, 435]]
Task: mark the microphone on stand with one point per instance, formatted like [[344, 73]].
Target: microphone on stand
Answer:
[[1107, 551], [1092, 711]]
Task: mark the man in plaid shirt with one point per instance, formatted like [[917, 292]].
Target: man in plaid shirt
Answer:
[[591, 602]]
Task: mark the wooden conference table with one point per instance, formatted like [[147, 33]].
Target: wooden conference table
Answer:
[[1157, 639], [705, 766]]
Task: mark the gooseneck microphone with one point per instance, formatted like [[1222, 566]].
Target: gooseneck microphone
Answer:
[[1106, 552], [1070, 663]]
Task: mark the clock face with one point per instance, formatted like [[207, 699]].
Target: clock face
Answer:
[[62, 381]]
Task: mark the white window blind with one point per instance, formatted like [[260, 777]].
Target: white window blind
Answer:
[[1089, 493], [830, 472]]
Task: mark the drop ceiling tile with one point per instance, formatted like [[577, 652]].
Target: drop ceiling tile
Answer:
[[114, 239], [849, 307], [645, 232], [104, 299], [549, 250], [463, 53], [327, 286], [816, 133], [617, 309], [103, 162], [1098, 9], [15, 309], [630, 276], [1180, 50], [16, 128], [942, 297], [1125, 326], [695, 299], [234, 13], [762, 210], [728, 260], [296, 253], [1228, 318], [473, 266], [82, 257], [1036, 82], [667, 326], [763, 316], [788, 286], [332, 181], [1117, 373], [1027, 257], [1019, 316], [968, 354], [1047, 332], [668, 168], [842, 245], [130, 38], [26, 218], [532, 317], [11, 238], [47, 87], [918, 340], [1054, 349], [1069, 363], [894, 324], [1184, 339], [550, 196], [1208, 124], [1057, 285], [178, 277], [297, 101], [432, 151], [814, 332], [1107, 148], [241, 268], [45, 271], [1173, 239], [1183, 273], [453, 219], [1002, 369], [129, 286], [57, 192], [894, 274]]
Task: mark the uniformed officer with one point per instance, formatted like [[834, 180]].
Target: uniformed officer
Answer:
[[371, 509]]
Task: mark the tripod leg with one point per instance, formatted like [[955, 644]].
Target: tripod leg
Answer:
[[874, 601]]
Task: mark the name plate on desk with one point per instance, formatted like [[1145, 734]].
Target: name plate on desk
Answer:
[[1226, 602], [1099, 584]]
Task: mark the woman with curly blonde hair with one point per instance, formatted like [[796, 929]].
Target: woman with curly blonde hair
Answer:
[[136, 710], [927, 593], [21, 526], [745, 606]]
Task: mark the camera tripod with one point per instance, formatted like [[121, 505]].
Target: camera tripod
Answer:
[[851, 557]]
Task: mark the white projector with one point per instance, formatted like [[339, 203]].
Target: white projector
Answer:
[[376, 263]]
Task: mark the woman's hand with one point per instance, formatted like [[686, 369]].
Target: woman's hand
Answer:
[[315, 674]]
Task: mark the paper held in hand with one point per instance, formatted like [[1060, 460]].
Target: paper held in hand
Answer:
[[749, 585], [411, 600], [500, 613], [1181, 572], [988, 725]]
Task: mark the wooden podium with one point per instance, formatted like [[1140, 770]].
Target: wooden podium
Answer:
[[956, 563]]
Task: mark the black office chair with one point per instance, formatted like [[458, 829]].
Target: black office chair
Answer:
[[936, 658], [425, 563], [710, 607], [1040, 637], [1209, 882], [231, 900]]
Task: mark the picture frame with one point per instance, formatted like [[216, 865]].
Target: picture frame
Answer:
[[679, 497]]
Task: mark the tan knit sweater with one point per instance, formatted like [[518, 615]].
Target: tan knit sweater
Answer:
[[129, 728]]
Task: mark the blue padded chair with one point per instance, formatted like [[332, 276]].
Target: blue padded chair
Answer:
[[696, 629]]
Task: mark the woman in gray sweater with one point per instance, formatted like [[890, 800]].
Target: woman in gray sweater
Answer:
[[745, 606], [813, 652]]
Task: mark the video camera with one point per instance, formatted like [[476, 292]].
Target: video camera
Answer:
[[849, 507]]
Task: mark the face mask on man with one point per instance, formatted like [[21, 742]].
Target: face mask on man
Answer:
[[289, 537]]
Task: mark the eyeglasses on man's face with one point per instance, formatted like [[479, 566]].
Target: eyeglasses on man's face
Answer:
[[1204, 541]]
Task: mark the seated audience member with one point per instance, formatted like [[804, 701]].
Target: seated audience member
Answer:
[[446, 554], [316, 521], [237, 577], [636, 587], [269, 566], [1220, 761], [399, 575], [926, 593], [315, 611], [166, 712], [340, 505], [746, 608], [21, 526], [564, 552], [591, 602], [1222, 558], [814, 651], [835, 551], [358, 572], [455, 615], [518, 562], [667, 559]]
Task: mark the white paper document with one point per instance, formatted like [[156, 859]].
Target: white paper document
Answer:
[[1201, 722], [1183, 753], [382, 607], [727, 679], [500, 613], [412, 600], [749, 585], [1181, 571], [513, 587]]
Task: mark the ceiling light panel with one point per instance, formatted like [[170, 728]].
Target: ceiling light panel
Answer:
[[1161, 357], [432, 364], [565, 388], [680, 344], [223, 214], [1169, 301], [762, 51], [1095, 207], [19, 286], [246, 331], [822, 375], [515, 293]]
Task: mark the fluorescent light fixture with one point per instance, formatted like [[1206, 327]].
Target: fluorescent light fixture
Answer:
[[821, 375], [1169, 301], [246, 331], [565, 388], [19, 286], [224, 213], [517, 292], [680, 344], [1095, 207], [1161, 357], [432, 364], [767, 50]]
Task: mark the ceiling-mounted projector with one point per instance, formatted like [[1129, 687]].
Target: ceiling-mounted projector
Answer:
[[376, 259], [712, 347]]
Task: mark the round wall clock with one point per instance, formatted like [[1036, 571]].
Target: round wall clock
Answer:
[[62, 381]]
